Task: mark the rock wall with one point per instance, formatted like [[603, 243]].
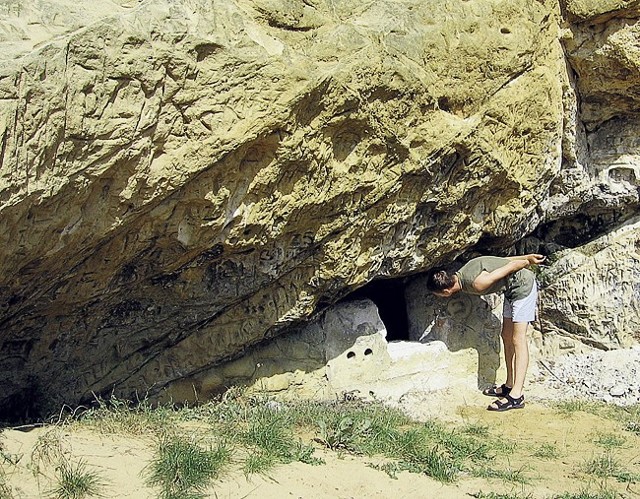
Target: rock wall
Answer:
[[181, 180], [599, 183], [344, 353], [591, 295]]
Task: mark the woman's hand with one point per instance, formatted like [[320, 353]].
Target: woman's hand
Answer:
[[535, 258]]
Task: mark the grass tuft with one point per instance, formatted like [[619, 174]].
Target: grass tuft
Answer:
[[633, 426], [429, 448], [182, 469], [508, 475], [126, 417], [495, 495], [607, 466], [547, 451], [569, 407], [75, 481], [50, 448], [609, 440], [587, 494]]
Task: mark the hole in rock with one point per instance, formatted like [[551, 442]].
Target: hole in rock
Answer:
[[388, 295], [443, 104], [351, 355], [368, 351]]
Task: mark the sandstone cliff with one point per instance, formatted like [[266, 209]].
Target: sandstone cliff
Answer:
[[180, 180]]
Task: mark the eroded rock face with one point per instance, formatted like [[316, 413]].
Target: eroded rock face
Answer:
[[180, 180], [592, 294], [599, 183], [188, 178]]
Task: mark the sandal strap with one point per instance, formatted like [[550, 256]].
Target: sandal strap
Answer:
[[514, 401]]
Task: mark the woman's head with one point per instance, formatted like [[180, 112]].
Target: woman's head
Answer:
[[441, 283]]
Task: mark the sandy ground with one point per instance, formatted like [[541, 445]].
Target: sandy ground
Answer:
[[121, 461]]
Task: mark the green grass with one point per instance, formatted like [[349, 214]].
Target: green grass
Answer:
[[633, 426], [75, 481], [260, 434], [628, 416], [607, 466], [49, 449], [507, 495], [507, 475], [181, 468], [569, 407], [478, 430], [121, 416], [430, 448], [609, 440], [546, 451], [265, 430], [586, 494]]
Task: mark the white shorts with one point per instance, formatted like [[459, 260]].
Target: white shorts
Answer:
[[523, 310]]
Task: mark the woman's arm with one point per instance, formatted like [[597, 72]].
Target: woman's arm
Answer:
[[532, 258], [487, 279]]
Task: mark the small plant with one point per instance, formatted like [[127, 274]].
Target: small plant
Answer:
[[49, 448], [77, 482], [121, 416], [182, 469], [547, 451], [343, 434], [569, 407], [391, 468], [609, 440], [304, 454], [586, 494], [607, 466], [477, 430], [259, 463], [604, 466], [437, 464], [508, 475], [5, 489], [494, 495]]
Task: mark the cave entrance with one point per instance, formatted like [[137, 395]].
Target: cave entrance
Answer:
[[389, 297]]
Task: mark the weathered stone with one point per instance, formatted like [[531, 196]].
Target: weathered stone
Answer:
[[185, 179], [618, 391], [588, 9], [358, 362], [182, 180], [461, 322], [355, 344], [592, 293], [608, 376], [597, 187]]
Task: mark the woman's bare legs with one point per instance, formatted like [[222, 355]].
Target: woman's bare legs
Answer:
[[516, 355], [509, 350], [520, 357]]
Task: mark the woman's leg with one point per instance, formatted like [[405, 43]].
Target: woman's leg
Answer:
[[520, 357], [508, 347]]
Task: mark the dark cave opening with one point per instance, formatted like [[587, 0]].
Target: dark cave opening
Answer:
[[389, 296]]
